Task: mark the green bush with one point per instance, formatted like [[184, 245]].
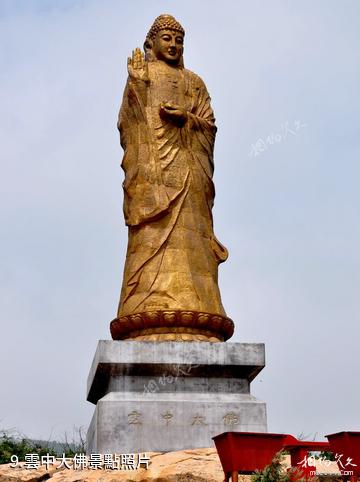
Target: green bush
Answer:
[[275, 472], [10, 446], [20, 445]]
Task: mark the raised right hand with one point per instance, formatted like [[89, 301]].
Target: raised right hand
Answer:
[[137, 66]]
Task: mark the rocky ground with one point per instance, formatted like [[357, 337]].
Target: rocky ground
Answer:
[[198, 465]]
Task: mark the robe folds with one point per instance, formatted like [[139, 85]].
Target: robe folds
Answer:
[[173, 255]]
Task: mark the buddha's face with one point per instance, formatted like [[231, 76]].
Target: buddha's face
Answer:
[[168, 46]]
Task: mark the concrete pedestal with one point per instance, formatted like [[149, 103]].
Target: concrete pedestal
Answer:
[[166, 396]]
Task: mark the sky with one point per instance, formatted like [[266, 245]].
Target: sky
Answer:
[[284, 79]]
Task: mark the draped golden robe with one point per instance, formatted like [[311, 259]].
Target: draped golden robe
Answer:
[[173, 255]]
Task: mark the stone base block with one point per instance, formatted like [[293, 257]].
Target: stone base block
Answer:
[[167, 396]]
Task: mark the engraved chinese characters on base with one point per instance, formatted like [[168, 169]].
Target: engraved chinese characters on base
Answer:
[[163, 396], [167, 130]]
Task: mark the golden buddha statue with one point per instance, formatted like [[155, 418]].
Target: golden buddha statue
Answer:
[[167, 130]]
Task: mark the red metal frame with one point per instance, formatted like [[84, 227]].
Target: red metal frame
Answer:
[[346, 444], [299, 449], [245, 452]]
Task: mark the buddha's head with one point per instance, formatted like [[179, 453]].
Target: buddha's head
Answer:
[[165, 41]]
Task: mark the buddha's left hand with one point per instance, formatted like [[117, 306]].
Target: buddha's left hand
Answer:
[[174, 113]]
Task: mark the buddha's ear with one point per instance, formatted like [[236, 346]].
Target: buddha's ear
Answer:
[[149, 55]]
